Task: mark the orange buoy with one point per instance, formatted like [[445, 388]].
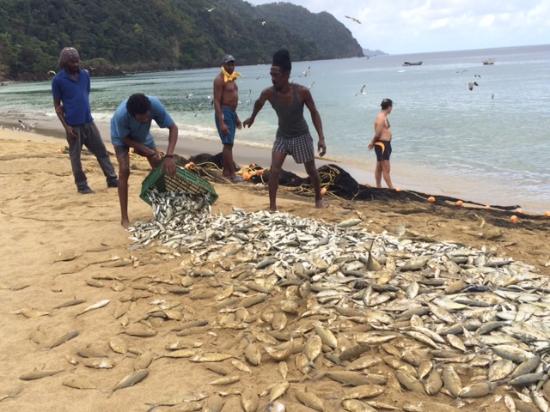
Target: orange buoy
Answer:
[[323, 191], [189, 166], [459, 203], [519, 210], [246, 175], [547, 213], [397, 189], [431, 199], [514, 219]]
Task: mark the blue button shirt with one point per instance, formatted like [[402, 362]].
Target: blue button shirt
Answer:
[[125, 125], [75, 96]]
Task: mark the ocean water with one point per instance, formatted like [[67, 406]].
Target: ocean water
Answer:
[[498, 134]]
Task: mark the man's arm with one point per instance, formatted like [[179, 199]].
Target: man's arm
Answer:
[[378, 128], [56, 92], [169, 163], [218, 95], [316, 119], [139, 148], [258, 105]]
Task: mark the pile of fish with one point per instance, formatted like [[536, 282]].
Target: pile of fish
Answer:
[[294, 314], [443, 318]]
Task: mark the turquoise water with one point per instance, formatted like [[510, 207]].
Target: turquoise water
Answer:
[[498, 132]]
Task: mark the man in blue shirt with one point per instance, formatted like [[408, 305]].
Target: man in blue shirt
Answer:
[[130, 127], [71, 92]]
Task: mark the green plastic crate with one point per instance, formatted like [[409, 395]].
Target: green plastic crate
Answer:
[[183, 181]]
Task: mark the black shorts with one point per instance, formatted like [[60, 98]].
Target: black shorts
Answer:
[[382, 150]]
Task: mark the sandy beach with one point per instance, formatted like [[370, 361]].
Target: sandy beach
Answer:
[[58, 246]]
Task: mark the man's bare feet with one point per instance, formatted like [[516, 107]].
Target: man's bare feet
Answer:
[[125, 223]]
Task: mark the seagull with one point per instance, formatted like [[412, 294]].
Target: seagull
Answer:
[[211, 9], [353, 19], [263, 22], [363, 90], [471, 85], [306, 72], [26, 126]]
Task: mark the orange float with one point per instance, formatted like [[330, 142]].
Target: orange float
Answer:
[[431, 199], [323, 191], [547, 213], [514, 219], [397, 189], [459, 203]]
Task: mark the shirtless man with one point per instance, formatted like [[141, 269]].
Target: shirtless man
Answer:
[[381, 142], [293, 138], [226, 99]]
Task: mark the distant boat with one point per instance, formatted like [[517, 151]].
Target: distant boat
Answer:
[[412, 63], [488, 62]]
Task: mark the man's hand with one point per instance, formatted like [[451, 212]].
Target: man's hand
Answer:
[[71, 133], [170, 166], [371, 146], [248, 122], [322, 147], [239, 124], [224, 129]]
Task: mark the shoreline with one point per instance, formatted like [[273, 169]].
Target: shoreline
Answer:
[[405, 176]]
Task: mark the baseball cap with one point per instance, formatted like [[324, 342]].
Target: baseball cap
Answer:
[[228, 58]]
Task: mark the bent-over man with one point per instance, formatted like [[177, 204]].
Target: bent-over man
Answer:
[[130, 128]]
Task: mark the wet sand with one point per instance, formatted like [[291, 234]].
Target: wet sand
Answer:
[[58, 245]]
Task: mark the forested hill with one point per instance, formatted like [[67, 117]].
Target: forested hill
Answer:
[[141, 35], [331, 38]]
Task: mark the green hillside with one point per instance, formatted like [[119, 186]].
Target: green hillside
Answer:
[[142, 35]]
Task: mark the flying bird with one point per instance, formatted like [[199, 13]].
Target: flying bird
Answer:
[[363, 91], [472, 84], [353, 19], [211, 9], [263, 22]]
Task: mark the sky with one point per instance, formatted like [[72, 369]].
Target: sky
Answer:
[[409, 26]]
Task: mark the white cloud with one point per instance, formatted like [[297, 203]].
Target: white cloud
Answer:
[[428, 25], [487, 20]]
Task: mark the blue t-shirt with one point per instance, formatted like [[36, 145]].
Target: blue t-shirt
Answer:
[[124, 125], [75, 96]]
